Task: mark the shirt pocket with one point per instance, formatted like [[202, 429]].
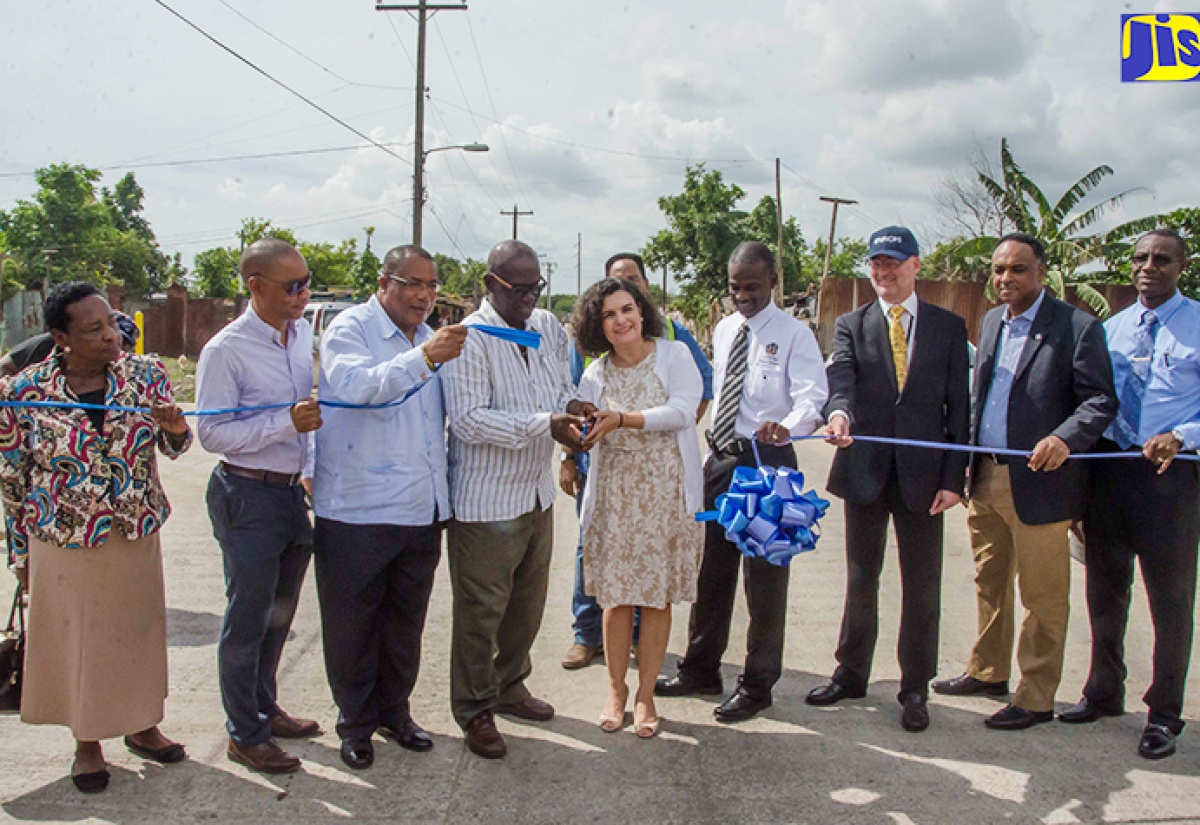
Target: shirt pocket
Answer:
[[765, 382], [1178, 368]]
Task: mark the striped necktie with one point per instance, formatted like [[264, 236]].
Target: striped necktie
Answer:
[[731, 390], [899, 345], [1129, 415]]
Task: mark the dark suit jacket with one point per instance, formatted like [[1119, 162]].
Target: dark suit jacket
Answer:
[[934, 405], [1064, 387]]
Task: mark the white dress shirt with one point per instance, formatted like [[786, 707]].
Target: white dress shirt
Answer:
[[385, 466], [499, 407], [785, 375]]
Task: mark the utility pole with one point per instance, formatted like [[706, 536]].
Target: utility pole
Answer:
[[664, 306], [779, 238], [515, 214], [423, 9], [829, 249], [549, 282], [579, 267]]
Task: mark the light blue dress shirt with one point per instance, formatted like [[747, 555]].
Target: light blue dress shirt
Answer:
[[385, 466], [247, 364], [1014, 334], [1172, 397]]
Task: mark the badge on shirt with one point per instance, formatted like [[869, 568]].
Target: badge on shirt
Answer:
[[770, 356]]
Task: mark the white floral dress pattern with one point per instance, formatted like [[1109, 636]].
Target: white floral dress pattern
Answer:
[[642, 547]]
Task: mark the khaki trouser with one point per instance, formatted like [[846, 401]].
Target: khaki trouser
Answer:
[[498, 573], [1038, 558]]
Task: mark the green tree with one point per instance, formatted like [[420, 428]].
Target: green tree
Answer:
[[215, 272], [462, 280], [1185, 221], [849, 256], [331, 265]]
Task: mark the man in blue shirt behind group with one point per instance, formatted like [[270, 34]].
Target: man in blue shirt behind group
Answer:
[[589, 642]]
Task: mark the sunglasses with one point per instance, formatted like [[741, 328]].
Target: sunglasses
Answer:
[[524, 289], [292, 288]]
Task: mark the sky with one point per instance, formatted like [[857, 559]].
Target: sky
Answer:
[[592, 110]]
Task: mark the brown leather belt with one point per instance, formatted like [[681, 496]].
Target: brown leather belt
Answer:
[[266, 476]]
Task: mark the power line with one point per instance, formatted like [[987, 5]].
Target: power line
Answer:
[[283, 85], [495, 116]]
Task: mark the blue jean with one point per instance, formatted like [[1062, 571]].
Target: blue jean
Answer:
[[266, 541]]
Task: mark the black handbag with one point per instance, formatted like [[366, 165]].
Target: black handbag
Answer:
[[12, 655]]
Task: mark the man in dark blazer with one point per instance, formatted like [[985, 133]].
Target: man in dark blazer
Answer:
[[1043, 386], [898, 370]]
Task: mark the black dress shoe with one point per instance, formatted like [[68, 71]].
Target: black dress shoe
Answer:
[[409, 736], [831, 693], [1157, 742], [683, 686], [915, 715], [1087, 711], [1011, 717], [358, 754], [740, 706], [97, 781], [967, 685]]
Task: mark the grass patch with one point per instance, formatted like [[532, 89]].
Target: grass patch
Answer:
[[182, 372]]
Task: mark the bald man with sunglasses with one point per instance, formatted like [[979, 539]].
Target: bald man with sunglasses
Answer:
[[255, 498]]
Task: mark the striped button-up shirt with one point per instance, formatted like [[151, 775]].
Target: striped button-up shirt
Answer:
[[499, 405]]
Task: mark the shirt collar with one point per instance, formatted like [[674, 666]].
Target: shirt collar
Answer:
[[386, 327], [261, 328], [1029, 314], [909, 304], [761, 318], [1164, 311]]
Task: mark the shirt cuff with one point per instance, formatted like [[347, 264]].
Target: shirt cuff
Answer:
[[842, 413], [538, 425]]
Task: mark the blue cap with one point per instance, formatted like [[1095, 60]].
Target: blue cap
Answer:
[[895, 242]]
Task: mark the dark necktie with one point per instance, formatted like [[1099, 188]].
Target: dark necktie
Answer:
[[1129, 416], [731, 390]]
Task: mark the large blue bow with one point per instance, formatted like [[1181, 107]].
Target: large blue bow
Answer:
[[767, 514]]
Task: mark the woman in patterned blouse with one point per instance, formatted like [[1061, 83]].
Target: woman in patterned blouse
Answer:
[[83, 506]]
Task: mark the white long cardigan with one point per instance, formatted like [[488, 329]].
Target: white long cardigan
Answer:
[[681, 379]]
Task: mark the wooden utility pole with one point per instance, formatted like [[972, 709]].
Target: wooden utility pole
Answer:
[[549, 284], [829, 249], [579, 267], [423, 9], [779, 239], [515, 214], [664, 306]]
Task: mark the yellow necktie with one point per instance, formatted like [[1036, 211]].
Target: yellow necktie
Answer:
[[899, 345]]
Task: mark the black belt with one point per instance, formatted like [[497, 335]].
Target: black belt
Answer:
[[736, 447], [266, 476]]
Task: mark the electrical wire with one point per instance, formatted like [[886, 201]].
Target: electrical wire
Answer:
[[496, 117], [283, 85]]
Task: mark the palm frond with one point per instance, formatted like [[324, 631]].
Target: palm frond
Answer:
[[1136, 226], [1055, 283], [1090, 296], [1080, 190], [981, 247], [1091, 216]]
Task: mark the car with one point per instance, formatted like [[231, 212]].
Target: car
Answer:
[[321, 314]]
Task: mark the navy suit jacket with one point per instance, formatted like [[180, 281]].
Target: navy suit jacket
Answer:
[[1063, 386]]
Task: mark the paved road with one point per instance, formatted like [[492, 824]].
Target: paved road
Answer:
[[850, 763]]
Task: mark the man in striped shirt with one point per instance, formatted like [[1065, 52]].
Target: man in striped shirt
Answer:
[[506, 405]]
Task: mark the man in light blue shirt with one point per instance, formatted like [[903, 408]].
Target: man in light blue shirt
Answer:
[[381, 497], [1014, 332], [1147, 509]]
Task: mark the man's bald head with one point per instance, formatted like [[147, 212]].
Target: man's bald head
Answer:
[[505, 253], [262, 256]]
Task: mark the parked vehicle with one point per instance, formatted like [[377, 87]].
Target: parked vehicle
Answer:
[[321, 314]]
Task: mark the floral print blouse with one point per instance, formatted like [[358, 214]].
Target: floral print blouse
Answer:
[[66, 484]]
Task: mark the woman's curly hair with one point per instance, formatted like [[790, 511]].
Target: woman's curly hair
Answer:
[[589, 322]]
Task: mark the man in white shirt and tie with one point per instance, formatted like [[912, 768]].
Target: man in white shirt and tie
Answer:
[[770, 385]]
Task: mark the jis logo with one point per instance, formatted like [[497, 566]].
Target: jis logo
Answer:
[[1160, 47]]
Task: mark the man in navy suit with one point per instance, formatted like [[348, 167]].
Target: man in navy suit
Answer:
[[898, 370]]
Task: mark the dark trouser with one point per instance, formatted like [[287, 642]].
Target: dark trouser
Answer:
[[1133, 511], [266, 541], [919, 538], [374, 582], [589, 617], [766, 591], [498, 572]]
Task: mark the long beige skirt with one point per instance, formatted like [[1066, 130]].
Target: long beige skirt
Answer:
[[96, 659]]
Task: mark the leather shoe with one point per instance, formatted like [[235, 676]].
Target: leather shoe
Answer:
[[1011, 717], [286, 726], [740, 706], [1157, 742], [581, 655], [358, 754], [1087, 711], [967, 685], [96, 781], [265, 757], [482, 737], [915, 715], [409, 736], [831, 694], [173, 752], [682, 686], [531, 708]]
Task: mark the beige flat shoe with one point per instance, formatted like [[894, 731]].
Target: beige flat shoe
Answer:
[[647, 729]]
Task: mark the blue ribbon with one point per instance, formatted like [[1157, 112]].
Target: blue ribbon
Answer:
[[767, 514], [967, 448], [524, 337]]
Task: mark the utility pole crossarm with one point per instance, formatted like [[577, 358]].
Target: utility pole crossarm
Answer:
[[516, 213]]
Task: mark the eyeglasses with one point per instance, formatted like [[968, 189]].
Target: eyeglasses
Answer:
[[292, 288], [524, 289], [416, 286]]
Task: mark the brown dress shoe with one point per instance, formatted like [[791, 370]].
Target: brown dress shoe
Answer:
[[531, 708], [581, 655], [286, 726], [266, 757], [482, 737]]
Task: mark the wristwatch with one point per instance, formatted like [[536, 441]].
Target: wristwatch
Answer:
[[1178, 436]]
